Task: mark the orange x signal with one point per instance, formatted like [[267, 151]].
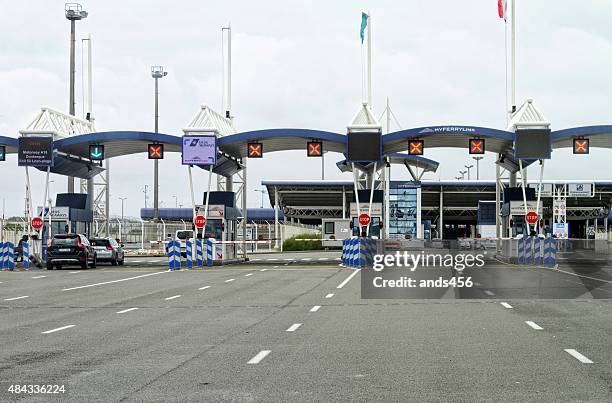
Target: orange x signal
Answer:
[[314, 149], [416, 147], [581, 146], [255, 150], [477, 146], [156, 151]]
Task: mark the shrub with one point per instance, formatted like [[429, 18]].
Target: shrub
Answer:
[[295, 242]]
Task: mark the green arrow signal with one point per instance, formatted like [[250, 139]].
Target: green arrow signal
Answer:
[[96, 152]]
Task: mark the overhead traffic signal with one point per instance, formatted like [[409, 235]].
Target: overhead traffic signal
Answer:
[[96, 152], [581, 146], [314, 148], [155, 151], [2, 153], [416, 147], [477, 146], [255, 150]]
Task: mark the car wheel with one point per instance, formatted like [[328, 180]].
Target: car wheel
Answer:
[[85, 264], [114, 261], [121, 262], [95, 261], [58, 266], [49, 266]]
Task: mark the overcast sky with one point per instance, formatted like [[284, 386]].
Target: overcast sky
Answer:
[[298, 64]]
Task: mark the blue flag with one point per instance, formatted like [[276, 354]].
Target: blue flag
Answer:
[[364, 24]]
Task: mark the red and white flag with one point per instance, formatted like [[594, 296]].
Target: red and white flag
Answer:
[[501, 8]]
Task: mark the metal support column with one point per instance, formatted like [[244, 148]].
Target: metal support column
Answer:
[[276, 226], [441, 220]]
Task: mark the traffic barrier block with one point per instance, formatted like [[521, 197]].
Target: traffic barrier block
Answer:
[[537, 253], [529, 250], [1, 255], [26, 255], [354, 252], [521, 251], [9, 256], [210, 251], [174, 255], [189, 252], [550, 251], [199, 254], [343, 257]]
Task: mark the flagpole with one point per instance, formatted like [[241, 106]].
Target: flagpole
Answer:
[[369, 59]]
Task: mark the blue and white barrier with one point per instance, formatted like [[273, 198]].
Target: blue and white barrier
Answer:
[[8, 256], [358, 252], [174, 255], [25, 254], [1, 255], [537, 253], [210, 251], [199, 254], [550, 251], [521, 250], [189, 252]]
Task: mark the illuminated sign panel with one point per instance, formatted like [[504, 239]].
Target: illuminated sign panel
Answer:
[[96, 152], [364, 147], [255, 150], [199, 150], [35, 152], [477, 146], [314, 148], [2, 153], [581, 146], [416, 147], [155, 151], [532, 144]]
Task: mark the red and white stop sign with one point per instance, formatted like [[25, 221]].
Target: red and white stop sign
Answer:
[[199, 221], [37, 223], [531, 217], [364, 219]]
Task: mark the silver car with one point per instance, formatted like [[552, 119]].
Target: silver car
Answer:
[[108, 250]]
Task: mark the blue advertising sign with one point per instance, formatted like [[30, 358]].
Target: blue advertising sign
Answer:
[[199, 150]]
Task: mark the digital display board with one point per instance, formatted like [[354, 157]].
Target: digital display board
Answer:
[[255, 150], [96, 152], [416, 147], [155, 151], [199, 150], [2, 153], [35, 152], [532, 144], [477, 146], [581, 146], [314, 149], [364, 147]]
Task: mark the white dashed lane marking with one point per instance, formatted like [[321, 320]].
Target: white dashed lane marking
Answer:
[[248, 274], [15, 298], [353, 274], [39, 276], [128, 310], [489, 292], [204, 288], [506, 305], [230, 280], [329, 295], [173, 297], [113, 281], [578, 356], [533, 325], [266, 269], [294, 327], [260, 356], [58, 329], [315, 308]]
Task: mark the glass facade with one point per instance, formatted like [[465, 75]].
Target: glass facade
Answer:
[[403, 209]]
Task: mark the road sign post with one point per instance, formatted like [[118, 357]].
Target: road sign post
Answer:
[[199, 221], [531, 217], [364, 220], [37, 223]]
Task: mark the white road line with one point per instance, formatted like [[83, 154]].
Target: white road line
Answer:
[[39, 276], [58, 329], [13, 299], [287, 260], [173, 297], [75, 272], [323, 258], [293, 327], [506, 305], [113, 281], [306, 259], [329, 295], [533, 325], [128, 310], [255, 260], [338, 259], [272, 260], [578, 356], [135, 261], [260, 356], [489, 292], [230, 280], [577, 275], [342, 284], [248, 274], [267, 269], [204, 288], [315, 308]]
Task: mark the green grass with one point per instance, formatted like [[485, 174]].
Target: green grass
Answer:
[[294, 243]]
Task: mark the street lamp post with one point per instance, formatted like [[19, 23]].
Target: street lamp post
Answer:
[[121, 223], [175, 201], [477, 166], [157, 72], [262, 191], [74, 12], [146, 195], [122, 200], [468, 170], [463, 174]]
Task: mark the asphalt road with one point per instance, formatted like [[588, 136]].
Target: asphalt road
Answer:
[[292, 331]]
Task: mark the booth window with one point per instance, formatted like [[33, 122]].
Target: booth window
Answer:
[[329, 228]]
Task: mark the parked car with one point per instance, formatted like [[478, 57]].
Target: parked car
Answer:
[[108, 250], [70, 249], [182, 236]]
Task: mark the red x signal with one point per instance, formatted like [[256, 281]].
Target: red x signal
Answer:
[[314, 148], [581, 146], [477, 146], [156, 151], [255, 150], [416, 147]]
